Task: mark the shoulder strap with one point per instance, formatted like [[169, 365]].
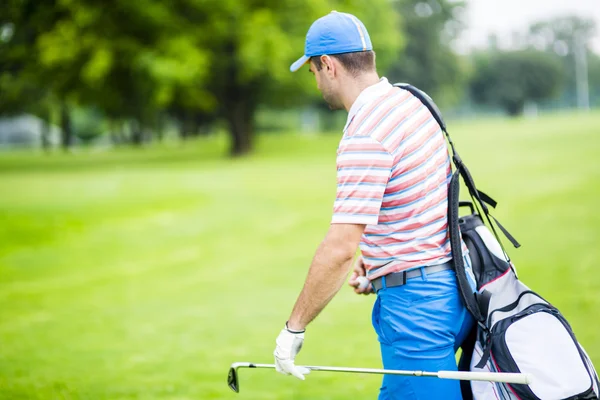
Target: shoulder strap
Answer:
[[462, 280], [480, 198]]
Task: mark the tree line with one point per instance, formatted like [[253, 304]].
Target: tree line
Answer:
[[143, 65]]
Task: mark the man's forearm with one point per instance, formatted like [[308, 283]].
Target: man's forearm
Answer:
[[327, 273]]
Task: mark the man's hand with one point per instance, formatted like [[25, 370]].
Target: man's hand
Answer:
[[359, 270], [289, 344]]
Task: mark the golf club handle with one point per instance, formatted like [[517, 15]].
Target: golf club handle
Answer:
[[503, 377]]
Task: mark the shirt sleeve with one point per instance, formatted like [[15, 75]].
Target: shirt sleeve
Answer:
[[363, 169]]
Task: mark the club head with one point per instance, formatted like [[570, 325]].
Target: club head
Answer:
[[232, 380]]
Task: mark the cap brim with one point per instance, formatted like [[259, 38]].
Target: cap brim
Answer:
[[299, 63]]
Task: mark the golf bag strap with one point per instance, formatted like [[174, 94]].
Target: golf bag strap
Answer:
[[506, 233], [487, 351], [487, 199], [483, 300], [482, 198], [464, 287]]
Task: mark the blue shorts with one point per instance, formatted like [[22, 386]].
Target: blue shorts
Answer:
[[420, 325]]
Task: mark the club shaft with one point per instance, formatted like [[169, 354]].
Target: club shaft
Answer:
[[458, 375]]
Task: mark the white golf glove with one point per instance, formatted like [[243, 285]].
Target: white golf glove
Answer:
[[289, 344]]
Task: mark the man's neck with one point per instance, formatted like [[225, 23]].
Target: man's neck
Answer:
[[356, 86]]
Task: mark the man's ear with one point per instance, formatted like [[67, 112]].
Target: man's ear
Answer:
[[328, 65]]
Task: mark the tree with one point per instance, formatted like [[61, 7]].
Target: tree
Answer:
[[262, 39], [428, 61], [196, 60], [510, 79], [126, 58], [21, 89]]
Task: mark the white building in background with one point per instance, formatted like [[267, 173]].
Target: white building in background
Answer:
[[26, 131]]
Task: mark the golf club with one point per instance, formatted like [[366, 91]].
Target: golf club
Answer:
[[233, 378]]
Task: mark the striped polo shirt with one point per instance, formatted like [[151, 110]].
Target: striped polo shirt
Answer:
[[393, 174]]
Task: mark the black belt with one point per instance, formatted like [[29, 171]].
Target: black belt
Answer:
[[399, 278]]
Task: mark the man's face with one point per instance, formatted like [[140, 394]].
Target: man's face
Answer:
[[327, 85]]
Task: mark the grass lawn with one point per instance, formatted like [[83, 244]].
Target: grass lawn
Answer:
[[142, 274]]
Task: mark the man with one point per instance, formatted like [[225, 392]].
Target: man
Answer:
[[393, 174]]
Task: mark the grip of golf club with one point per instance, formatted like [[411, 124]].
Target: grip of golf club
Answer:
[[503, 377]]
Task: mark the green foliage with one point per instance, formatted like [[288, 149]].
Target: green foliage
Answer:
[[428, 61], [202, 59], [385, 26], [128, 69], [267, 39], [510, 79], [20, 86]]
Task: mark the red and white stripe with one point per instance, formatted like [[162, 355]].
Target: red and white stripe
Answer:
[[393, 175]]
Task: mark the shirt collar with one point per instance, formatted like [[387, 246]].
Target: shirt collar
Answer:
[[367, 95]]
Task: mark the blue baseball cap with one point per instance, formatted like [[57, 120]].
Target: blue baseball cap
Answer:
[[335, 33]]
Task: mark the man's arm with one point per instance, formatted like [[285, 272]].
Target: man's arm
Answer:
[[364, 167], [327, 273]]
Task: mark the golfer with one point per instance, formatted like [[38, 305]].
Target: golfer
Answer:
[[393, 171]]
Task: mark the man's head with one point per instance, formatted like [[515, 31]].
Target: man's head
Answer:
[[339, 51], [334, 72]]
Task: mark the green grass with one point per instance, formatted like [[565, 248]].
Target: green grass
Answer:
[[142, 274]]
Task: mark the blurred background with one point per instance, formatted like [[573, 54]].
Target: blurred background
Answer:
[[81, 74], [165, 180]]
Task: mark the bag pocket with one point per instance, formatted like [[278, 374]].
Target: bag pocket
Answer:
[[539, 341]]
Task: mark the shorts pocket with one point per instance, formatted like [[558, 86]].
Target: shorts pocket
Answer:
[[424, 314], [440, 285]]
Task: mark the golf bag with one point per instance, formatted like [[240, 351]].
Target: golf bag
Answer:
[[521, 332], [517, 330]]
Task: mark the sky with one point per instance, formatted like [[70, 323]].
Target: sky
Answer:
[[505, 16]]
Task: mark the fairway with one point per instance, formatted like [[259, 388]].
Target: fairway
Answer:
[[143, 273]]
